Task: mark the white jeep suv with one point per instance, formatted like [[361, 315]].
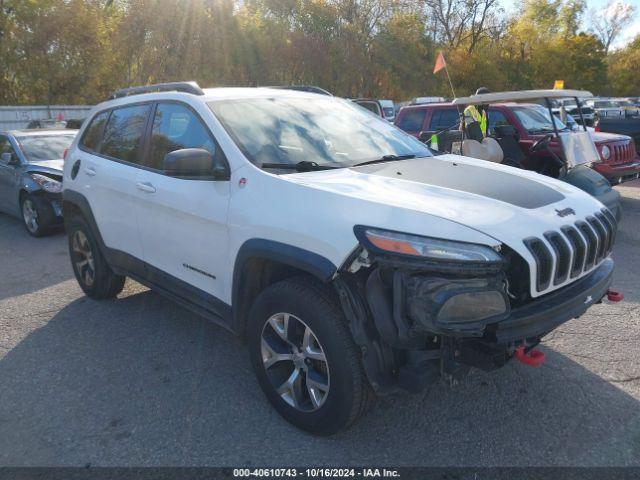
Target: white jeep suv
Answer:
[[352, 260]]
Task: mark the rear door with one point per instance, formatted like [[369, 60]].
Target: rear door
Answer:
[[183, 222], [110, 154]]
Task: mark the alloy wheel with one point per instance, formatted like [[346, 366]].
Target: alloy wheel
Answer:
[[295, 362], [83, 257], [30, 215]]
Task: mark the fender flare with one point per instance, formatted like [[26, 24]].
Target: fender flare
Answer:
[[258, 248], [71, 197]]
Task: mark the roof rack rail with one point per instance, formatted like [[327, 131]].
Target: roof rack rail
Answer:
[[187, 87]]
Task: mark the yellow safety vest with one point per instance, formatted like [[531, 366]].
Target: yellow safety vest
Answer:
[[471, 114]]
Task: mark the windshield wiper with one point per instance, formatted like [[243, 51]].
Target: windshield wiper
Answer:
[[385, 158], [303, 166]]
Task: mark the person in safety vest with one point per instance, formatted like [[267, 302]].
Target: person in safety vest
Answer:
[[477, 113]]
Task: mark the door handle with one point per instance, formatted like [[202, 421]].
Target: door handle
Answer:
[[146, 187], [90, 171]]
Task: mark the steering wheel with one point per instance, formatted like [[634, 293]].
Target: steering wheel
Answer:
[[542, 143]]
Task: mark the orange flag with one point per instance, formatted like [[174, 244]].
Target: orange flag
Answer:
[[440, 63]]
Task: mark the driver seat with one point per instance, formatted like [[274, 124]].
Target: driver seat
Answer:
[[507, 138]]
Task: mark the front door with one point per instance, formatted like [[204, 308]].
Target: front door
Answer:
[[183, 222]]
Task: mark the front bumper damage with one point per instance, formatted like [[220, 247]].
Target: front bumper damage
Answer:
[[395, 312]]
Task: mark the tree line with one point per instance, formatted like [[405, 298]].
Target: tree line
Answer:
[[79, 51]]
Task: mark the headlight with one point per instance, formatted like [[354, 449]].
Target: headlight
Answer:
[[606, 153], [426, 247], [48, 184]]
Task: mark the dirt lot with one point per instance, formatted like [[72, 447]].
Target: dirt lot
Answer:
[[141, 381]]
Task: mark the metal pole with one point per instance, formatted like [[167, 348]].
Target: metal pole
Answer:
[[584, 125]]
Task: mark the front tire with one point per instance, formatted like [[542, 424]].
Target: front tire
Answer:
[[94, 275], [304, 357], [37, 215]]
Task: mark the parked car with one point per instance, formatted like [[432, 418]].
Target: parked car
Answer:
[[629, 126], [611, 107], [382, 108], [588, 114], [352, 260], [617, 160], [31, 176]]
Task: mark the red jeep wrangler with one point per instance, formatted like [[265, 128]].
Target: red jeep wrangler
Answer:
[[619, 160]]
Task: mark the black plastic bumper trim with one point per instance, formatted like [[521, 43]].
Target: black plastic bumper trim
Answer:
[[541, 316]]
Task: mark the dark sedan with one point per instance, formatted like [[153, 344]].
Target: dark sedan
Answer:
[[31, 164]]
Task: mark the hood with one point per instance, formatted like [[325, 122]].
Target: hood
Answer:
[[48, 166], [505, 203], [604, 137]]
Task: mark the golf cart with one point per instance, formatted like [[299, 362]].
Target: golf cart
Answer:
[[556, 152]]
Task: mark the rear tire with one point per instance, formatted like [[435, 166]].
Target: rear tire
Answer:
[[94, 275], [301, 323]]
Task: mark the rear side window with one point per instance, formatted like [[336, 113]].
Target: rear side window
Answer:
[[124, 131], [93, 133], [444, 119], [176, 127], [412, 120]]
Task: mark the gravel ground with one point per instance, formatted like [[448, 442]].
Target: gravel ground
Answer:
[[139, 381]]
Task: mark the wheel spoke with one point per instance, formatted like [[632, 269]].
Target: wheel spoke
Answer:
[[290, 389], [317, 388], [81, 264], [273, 352], [310, 346], [280, 325]]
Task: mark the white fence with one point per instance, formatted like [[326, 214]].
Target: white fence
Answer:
[[13, 118]]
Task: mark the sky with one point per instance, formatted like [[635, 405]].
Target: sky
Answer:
[[629, 34]]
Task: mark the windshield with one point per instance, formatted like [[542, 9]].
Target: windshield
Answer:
[[324, 130], [44, 147], [536, 119]]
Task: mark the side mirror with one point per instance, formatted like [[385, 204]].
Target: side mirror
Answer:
[[193, 163], [9, 159]]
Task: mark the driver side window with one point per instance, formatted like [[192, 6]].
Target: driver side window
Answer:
[[176, 127]]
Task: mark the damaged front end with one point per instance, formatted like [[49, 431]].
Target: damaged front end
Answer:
[[423, 308]]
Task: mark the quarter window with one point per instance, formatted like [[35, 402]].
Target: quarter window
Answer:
[[93, 133], [124, 132], [176, 127], [412, 120]]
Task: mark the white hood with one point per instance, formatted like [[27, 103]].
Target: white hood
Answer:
[[504, 203]]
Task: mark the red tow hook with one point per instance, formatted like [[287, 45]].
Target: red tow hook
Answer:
[[533, 358], [614, 296]]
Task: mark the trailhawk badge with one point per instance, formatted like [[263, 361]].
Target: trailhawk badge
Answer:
[[589, 299]]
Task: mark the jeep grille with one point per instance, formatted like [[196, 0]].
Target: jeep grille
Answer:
[[574, 250]]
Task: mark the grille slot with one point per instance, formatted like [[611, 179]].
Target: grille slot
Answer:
[[592, 244], [573, 250], [563, 256], [603, 238], [544, 262], [579, 248]]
